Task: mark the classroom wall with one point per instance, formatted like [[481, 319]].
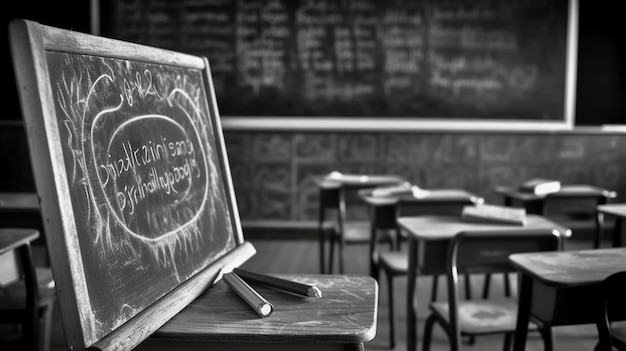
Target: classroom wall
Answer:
[[272, 172], [272, 169]]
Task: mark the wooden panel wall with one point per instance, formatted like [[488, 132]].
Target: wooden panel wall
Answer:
[[272, 171]]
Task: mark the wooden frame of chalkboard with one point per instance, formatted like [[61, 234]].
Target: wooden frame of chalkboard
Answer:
[[134, 183], [374, 65]]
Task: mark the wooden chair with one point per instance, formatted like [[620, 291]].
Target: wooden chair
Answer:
[[332, 208], [610, 334], [574, 206], [28, 301], [395, 263], [484, 252]]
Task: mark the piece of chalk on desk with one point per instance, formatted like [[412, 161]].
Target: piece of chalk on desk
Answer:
[[279, 283], [249, 295]]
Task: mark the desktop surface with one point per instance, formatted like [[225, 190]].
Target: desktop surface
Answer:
[[445, 227], [345, 314], [573, 267]]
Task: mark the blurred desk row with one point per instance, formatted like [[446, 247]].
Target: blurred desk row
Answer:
[[384, 209], [428, 226], [435, 218], [564, 288]]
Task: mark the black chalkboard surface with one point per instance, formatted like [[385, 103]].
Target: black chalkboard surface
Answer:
[[130, 166], [372, 60]]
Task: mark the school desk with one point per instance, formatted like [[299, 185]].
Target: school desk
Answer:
[[357, 181], [384, 210], [21, 210], [27, 293], [12, 240], [343, 318], [332, 196], [615, 210], [536, 203], [560, 288], [428, 238]]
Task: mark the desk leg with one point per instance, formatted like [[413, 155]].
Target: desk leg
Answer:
[[523, 313], [322, 235], [411, 315], [322, 239], [619, 232], [508, 201], [599, 230], [373, 244]]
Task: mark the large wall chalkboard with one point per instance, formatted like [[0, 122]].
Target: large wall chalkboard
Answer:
[[486, 60]]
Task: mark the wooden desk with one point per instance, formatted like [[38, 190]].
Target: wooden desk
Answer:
[[427, 246], [619, 212], [536, 203], [385, 210], [19, 306], [344, 318], [12, 240], [20, 210], [357, 181], [553, 285], [330, 183]]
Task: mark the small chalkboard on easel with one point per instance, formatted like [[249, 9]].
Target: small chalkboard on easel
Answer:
[[131, 170]]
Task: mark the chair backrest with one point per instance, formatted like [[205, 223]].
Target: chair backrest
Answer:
[[488, 252], [612, 301], [442, 209], [577, 204]]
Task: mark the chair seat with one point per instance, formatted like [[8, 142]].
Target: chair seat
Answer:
[[394, 262], [618, 329], [357, 232], [483, 316], [14, 296]]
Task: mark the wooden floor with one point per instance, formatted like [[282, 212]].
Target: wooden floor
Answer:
[[274, 256]]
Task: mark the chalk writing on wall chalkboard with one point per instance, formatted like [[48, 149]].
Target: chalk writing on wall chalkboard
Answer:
[[144, 178], [454, 60]]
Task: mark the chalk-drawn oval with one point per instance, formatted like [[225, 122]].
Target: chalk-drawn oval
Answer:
[[153, 174]]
